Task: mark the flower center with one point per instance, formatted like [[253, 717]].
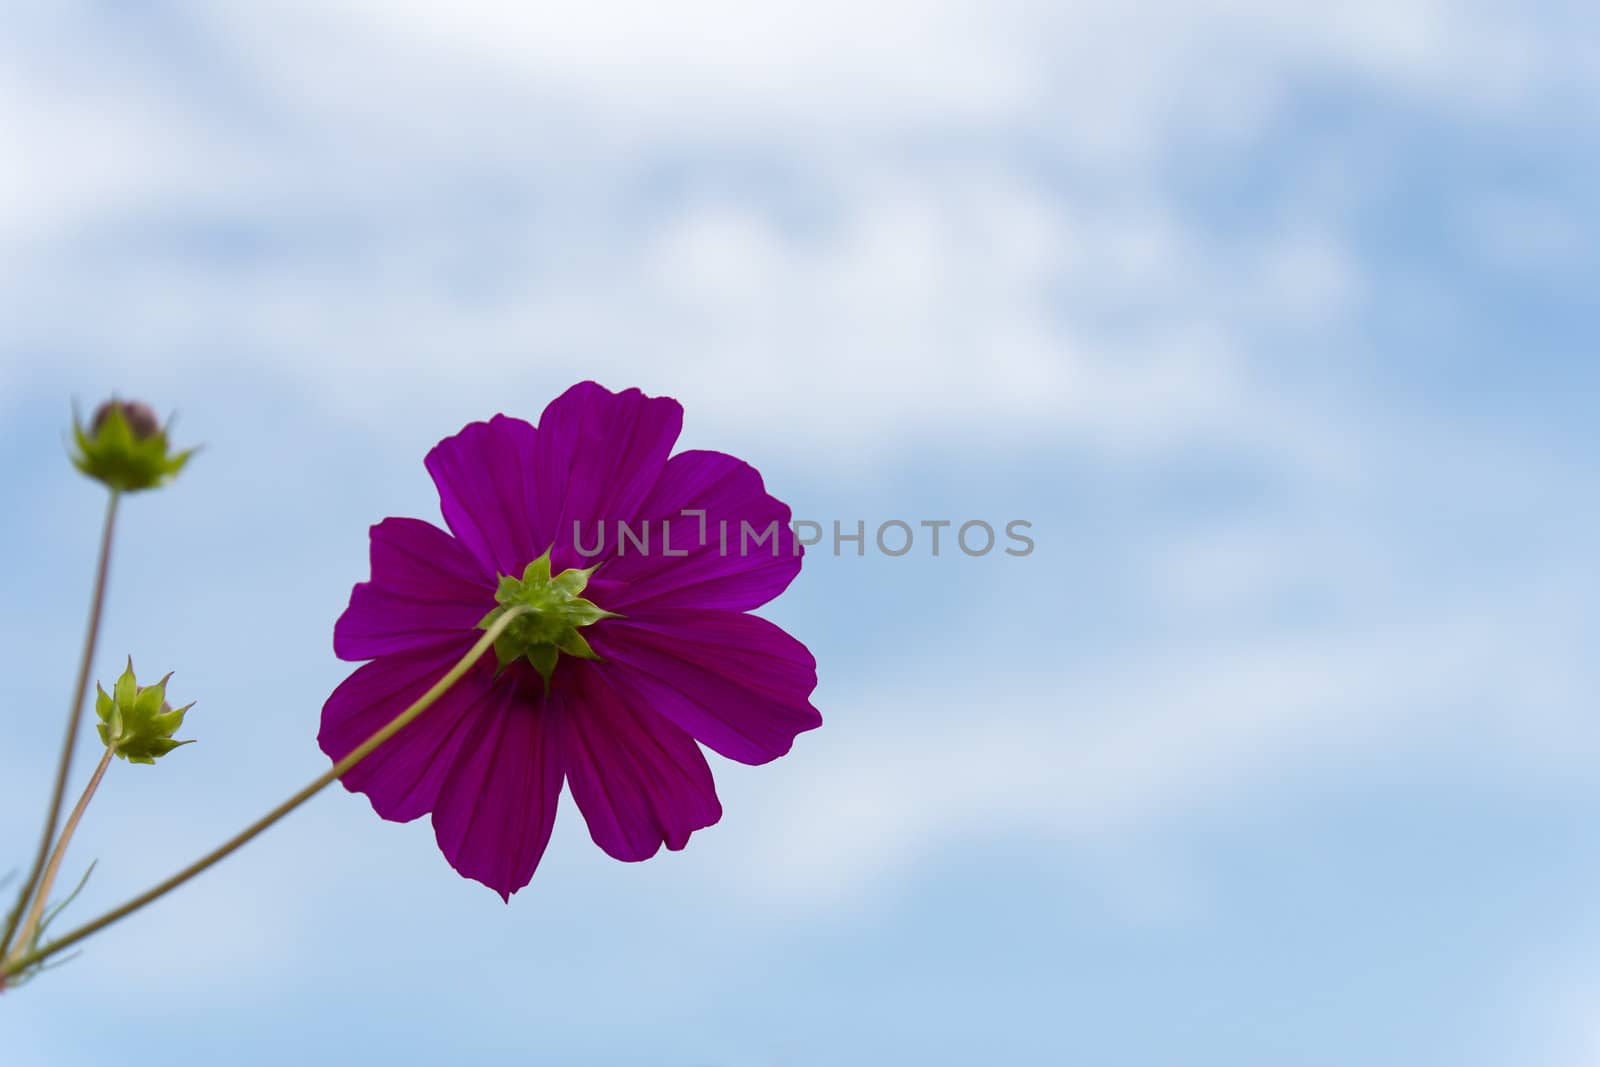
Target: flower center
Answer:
[[551, 627]]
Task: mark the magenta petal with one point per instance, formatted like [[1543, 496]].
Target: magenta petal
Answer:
[[735, 682], [497, 807], [724, 567], [638, 779], [486, 492], [425, 588], [403, 776], [598, 454]]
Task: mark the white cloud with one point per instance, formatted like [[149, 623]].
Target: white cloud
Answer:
[[1219, 705], [916, 294]]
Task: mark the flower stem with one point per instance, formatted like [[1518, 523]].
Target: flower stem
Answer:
[[30, 928], [388, 730], [26, 892]]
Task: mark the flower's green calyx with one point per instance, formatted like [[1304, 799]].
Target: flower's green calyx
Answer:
[[551, 628], [125, 447], [136, 720]]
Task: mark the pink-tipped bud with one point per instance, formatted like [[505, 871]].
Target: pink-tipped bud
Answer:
[[141, 417]]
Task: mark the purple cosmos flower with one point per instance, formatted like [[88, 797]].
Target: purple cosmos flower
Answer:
[[632, 657]]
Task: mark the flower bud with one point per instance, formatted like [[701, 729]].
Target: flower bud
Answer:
[[137, 720], [125, 447]]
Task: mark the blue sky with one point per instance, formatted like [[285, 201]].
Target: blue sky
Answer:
[[1274, 322]]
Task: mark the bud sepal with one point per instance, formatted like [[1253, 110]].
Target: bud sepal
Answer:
[[136, 721]]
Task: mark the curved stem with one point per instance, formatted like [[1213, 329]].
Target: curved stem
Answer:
[[25, 893], [388, 730], [30, 928]]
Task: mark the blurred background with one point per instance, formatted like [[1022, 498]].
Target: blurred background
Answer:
[[1275, 320]]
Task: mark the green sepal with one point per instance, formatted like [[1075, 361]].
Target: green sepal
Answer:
[[572, 581], [540, 636], [539, 569], [115, 456], [126, 688], [543, 658], [136, 721], [573, 644]]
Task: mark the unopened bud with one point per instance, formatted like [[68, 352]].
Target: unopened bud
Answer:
[[125, 447], [136, 720]]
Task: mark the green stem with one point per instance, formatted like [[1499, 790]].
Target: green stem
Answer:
[[417, 707], [26, 892], [30, 928]]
